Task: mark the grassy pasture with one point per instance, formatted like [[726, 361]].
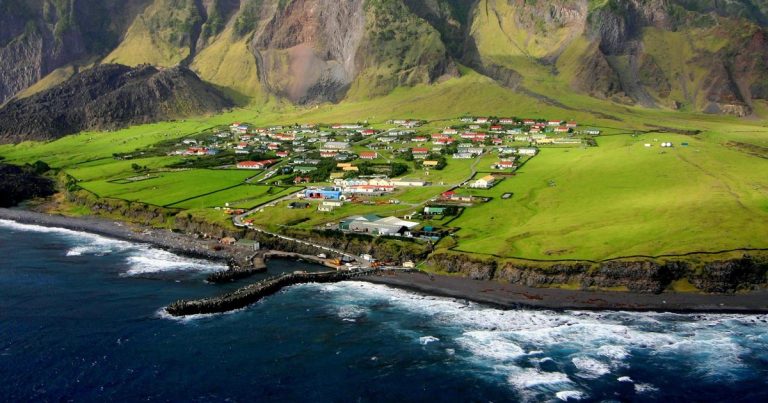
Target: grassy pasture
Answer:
[[624, 199], [169, 187], [243, 196]]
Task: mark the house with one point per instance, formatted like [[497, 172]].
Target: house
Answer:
[[562, 129], [527, 151], [419, 139], [504, 165], [255, 164], [273, 146], [486, 182], [455, 197], [506, 121], [408, 183], [496, 128], [368, 189], [420, 152], [335, 145], [571, 125], [368, 132], [328, 154], [482, 121], [369, 155], [301, 179], [434, 210], [593, 132], [282, 154], [430, 163], [553, 123], [376, 225], [462, 156], [529, 122], [196, 151], [449, 131], [326, 193]]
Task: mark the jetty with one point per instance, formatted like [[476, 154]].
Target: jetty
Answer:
[[258, 264], [252, 293]]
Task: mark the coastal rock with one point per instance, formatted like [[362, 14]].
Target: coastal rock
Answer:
[[731, 275], [21, 183], [642, 276]]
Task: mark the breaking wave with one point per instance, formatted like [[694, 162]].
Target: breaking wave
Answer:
[[141, 259], [563, 355]]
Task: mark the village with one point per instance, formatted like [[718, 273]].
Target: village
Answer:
[[338, 165]]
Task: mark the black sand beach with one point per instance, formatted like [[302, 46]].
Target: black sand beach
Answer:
[[516, 296]]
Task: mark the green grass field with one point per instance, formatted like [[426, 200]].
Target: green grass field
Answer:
[[243, 196], [169, 188], [624, 199]]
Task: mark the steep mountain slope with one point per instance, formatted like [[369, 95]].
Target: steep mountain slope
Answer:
[[39, 36], [694, 55], [697, 55], [108, 97]]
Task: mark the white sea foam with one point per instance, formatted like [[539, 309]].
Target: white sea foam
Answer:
[[645, 388], [566, 395], [616, 353], [90, 243], [489, 344], [145, 260], [624, 379], [533, 378], [590, 368], [497, 340], [424, 340], [162, 313], [350, 313], [141, 258]]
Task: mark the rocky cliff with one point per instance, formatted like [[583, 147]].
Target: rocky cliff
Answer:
[[108, 97], [646, 275], [694, 55], [21, 183]]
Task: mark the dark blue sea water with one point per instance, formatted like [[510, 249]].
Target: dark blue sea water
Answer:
[[81, 319]]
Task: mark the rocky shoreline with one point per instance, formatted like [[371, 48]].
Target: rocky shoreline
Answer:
[[178, 243], [497, 293], [512, 296]]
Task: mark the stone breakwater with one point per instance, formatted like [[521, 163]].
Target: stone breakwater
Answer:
[[252, 293]]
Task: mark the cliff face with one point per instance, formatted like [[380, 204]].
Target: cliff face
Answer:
[[647, 276], [37, 37], [696, 55], [108, 97]]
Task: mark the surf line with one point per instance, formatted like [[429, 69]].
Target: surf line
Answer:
[[252, 293]]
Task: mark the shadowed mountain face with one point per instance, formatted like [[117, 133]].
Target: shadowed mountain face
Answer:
[[695, 55], [108, 97]]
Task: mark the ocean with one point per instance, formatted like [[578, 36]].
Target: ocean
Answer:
[[81, 319]]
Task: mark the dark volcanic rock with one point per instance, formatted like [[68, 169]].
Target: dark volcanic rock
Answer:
[[20, 183], [109, 97]]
